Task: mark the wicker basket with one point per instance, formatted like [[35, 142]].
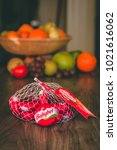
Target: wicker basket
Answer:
[[22, 46]]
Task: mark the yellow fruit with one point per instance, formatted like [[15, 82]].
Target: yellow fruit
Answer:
[[13, 62], [50, 68], [49, 25], [53, 33]]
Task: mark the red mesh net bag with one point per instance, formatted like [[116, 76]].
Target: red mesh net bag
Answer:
[[33, 103]]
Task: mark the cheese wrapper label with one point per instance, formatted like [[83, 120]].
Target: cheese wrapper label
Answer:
[[70, 99]]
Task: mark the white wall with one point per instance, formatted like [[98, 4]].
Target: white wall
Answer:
[[81, 24], [47, 10]]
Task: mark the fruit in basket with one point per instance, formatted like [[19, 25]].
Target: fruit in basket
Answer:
[[11, 34], [38, 33], [3, 33], [61, 32], [86, 62], [64, 61], [49, 30], [50, 67], [25, 28], [20, 71], [49, 25], [23, 34], [53, 33], [13, 62]]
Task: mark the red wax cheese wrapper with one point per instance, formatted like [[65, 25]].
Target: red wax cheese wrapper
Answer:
[[43, 97], [69, 98], [28, 106], [15, 110], [14, 106], [61, 107], [27, 115], [46, 115], [68, 115]]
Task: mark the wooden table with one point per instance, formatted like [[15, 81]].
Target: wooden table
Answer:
[[77, 134]]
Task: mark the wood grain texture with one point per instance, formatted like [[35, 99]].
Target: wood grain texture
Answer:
[[77, 134]]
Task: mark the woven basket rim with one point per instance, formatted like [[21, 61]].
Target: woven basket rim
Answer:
[[37, 39]]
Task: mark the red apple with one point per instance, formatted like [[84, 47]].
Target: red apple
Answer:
[[20, 71]]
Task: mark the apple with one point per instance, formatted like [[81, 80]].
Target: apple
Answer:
[[20, 71], [64, 60], [13, 62]]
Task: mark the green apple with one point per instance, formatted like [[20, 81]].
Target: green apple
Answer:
[[64, 60]]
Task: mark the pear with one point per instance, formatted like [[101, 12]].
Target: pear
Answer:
[[50, 67], [49, 25], [53, 33]]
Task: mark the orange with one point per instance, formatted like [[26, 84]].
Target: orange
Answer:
[[86, 62], [23, 34], [11, 34], [38, 33], [61, 33], [25, 27]]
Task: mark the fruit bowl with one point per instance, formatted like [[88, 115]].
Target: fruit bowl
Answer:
[[26, 46]]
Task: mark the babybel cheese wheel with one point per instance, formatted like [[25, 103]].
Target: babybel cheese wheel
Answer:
[[59, 117], [14, 106], [15, 110], [46, 115], [27, 115], [61, 107], [28, 106], [43, 97]]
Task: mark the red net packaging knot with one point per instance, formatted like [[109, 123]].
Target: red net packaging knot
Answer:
[[35, 103]]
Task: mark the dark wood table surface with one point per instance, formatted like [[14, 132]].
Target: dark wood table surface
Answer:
[[76, 134]]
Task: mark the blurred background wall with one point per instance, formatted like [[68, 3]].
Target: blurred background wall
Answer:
[[79, 18], [81, 24]]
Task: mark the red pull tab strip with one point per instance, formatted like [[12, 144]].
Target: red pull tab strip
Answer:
[[69, 98]]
